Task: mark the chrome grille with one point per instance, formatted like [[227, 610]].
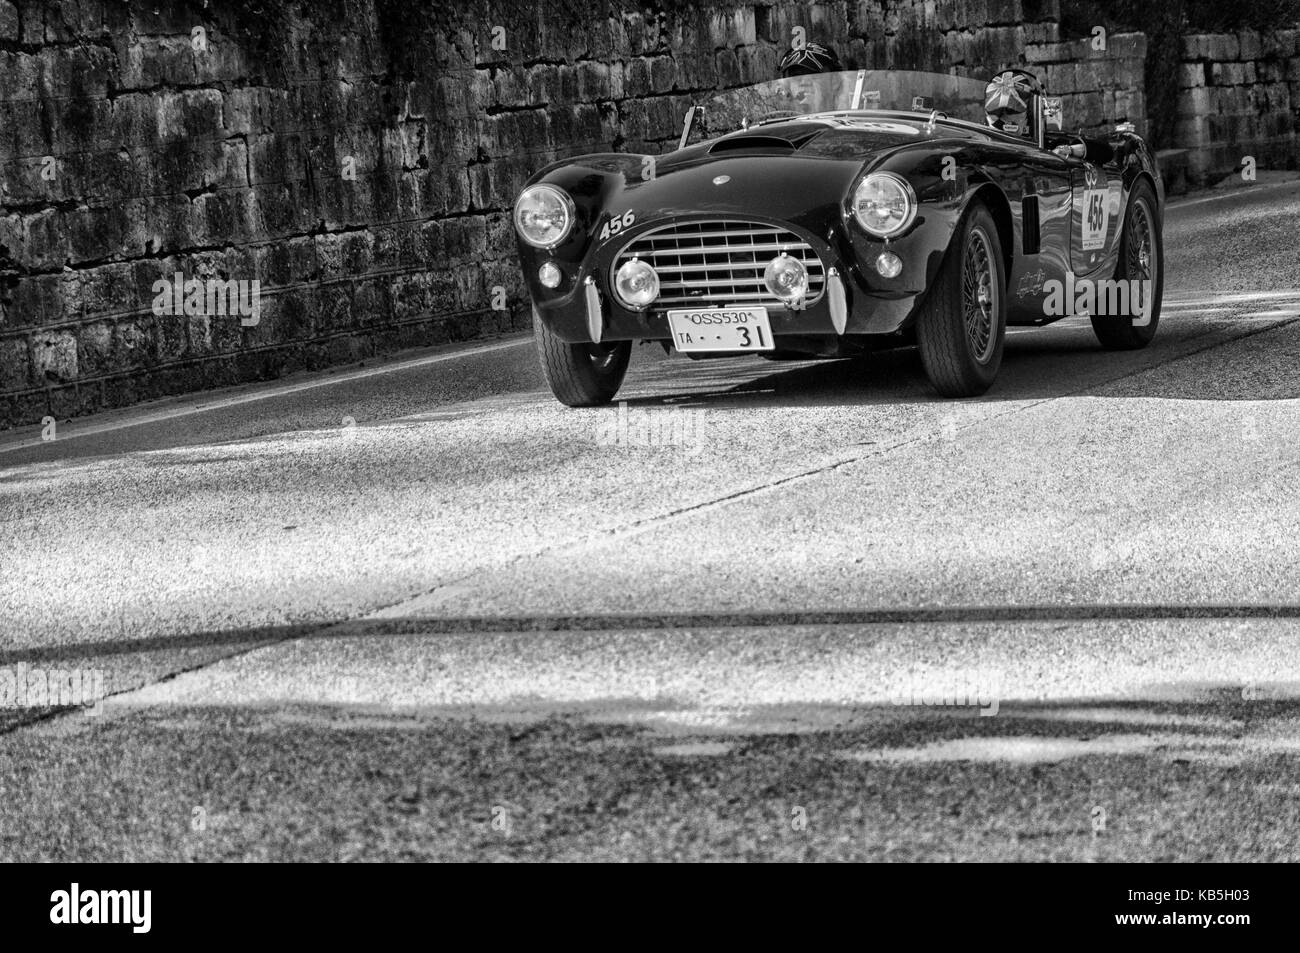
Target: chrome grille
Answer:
[[703, 264]]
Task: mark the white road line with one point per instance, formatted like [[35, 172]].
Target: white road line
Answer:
[[1203, 305], [1177, 300], [1232, 194], [66, 431], [1188, 298]]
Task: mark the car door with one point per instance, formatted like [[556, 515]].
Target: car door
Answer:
[[1042, 184], [1096, 218]]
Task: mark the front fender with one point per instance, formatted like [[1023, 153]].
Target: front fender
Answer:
[[944, 191]]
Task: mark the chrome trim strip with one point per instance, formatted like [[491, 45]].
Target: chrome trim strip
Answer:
[[857, 90], [687, 122], [595, 320], [721, 283], [1038, 114], [835, 295], [809, 263], [726, 233], [679, 249]]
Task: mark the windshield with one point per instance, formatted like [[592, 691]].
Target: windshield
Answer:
[[957, 97]]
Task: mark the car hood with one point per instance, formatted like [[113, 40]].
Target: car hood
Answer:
[[830, 137], [789, 170], [774, 183]]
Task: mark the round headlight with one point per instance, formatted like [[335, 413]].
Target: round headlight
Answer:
[[637, 283], [786, 278], [543, 215], [884, 204]]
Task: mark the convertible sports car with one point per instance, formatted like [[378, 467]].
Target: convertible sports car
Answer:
[[825, 216]]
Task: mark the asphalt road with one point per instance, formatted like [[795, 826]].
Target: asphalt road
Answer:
[[419, 610]]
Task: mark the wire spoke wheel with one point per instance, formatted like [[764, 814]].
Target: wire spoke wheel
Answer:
[[1140, 268], [1141, 253], [961, 327], [979, 296]]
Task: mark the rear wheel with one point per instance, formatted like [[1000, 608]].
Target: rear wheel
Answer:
[[1140, 259], [580, 375], [962, 326]]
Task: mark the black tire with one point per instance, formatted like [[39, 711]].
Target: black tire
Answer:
[[1117, 332], [962, 357], [581, 375]]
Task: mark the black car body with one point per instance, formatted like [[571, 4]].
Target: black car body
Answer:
[[709, 215]]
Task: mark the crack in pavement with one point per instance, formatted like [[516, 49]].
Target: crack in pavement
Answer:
[[647, 524], [376, 621]]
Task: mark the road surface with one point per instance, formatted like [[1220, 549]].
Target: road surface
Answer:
[[419, 610]]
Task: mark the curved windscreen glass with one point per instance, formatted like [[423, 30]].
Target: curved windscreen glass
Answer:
[[957, 97]]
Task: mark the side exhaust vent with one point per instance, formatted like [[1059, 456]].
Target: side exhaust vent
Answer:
[[1031, 237]]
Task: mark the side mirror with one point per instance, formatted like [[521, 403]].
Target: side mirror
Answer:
[[1045, 111], [1053, 114]]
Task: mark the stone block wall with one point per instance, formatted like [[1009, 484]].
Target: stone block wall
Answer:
[[1239, 96], [359, 158], [1099, 85]]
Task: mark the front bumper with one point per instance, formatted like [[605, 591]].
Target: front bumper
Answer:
[[584, 310]]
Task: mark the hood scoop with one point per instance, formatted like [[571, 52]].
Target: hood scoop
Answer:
[[762, 140]]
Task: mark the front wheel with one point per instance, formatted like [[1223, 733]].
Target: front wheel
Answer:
[[962, 326], [1140, 264], [580, 375]]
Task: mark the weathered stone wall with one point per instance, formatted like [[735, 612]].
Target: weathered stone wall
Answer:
[[1239, 96], [1099, 85], [358, 158]]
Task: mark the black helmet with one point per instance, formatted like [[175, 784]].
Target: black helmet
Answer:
[[812, 58], [1007, 98]]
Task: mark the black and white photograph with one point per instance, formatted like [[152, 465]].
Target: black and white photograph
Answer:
[[651, 431]]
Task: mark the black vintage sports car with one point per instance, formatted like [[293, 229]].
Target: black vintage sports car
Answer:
[[828, 215]]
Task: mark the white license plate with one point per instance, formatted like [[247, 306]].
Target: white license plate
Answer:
[[721, 329]]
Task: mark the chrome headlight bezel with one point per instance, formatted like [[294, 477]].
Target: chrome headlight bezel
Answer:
[[901, 188], [565, 204]]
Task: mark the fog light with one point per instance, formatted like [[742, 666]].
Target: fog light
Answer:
[[549, 275], [786, 278], [889, 265], [636, 283]]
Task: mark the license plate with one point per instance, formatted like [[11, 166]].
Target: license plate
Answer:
[[721, 329]]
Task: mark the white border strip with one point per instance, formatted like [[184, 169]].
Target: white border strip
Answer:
[[1232, 193], [71, 431]]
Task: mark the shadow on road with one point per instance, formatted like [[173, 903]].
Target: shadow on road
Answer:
[[549, 624], [1039, 364], [301, 759], [1075, 781]]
